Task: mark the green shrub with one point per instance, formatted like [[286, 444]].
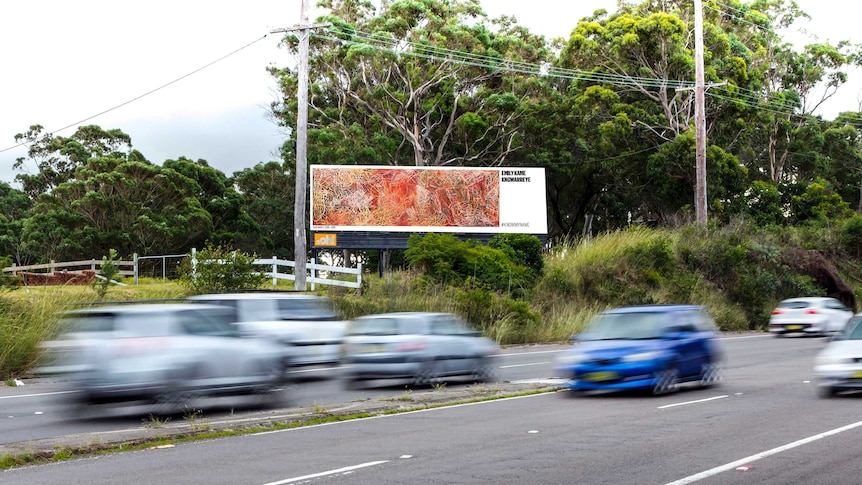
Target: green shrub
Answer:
[[447, 260], [109, 272], [218, 270], [523, 249]]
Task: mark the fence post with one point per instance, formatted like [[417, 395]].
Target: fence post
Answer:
[[135, 268], [313, 272], [274, 270], [51, 266], [194, 264]]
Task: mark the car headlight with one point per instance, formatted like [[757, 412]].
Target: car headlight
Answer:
[[570, 358], [642, 356]]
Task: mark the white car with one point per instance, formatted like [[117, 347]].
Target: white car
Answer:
[[839, 365], [817, 315], [308, 324]]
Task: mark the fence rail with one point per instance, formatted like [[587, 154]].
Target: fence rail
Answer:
[[93, 264], [318, 274]]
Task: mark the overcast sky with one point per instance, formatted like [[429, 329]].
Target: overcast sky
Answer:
[[67, 61]]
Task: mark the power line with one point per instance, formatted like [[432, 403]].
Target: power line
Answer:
[[142, 95]]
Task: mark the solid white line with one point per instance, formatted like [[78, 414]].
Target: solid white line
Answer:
[[330, 472], [764, 454], [691, 402], [523, 365], [746, 336], [37, 395], [532, 353]]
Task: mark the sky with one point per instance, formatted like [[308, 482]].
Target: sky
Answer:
[[188, 77]]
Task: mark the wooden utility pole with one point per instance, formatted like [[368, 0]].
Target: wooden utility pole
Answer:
[[300, 253], [699, 117]]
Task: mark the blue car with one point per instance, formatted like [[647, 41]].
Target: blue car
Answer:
[[648, 347]]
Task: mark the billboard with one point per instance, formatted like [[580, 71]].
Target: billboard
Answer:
[[428, 199]]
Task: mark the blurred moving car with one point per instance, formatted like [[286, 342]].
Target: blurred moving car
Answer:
[[309, 324], [809, 315], [838, 366], [424, 347], [648, 347], [164, 353]]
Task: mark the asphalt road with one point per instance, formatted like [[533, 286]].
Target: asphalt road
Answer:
[[764, 425]]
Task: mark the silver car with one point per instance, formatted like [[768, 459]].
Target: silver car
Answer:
[[164, 353], [424, 347]]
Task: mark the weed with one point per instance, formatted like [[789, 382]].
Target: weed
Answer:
[[155, 422], [439, 386]]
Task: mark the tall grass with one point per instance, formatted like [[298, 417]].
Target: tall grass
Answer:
[[29, 315]]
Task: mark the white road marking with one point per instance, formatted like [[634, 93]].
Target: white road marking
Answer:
[[764, 454], [326, 473], [745, 336], [691, 402], [37, 395], [523, 365], [532, 353]]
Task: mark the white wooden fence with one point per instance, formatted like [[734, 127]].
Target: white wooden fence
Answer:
[[318, 274]]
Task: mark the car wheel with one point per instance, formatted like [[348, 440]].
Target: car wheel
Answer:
[[826, 392], [711, 375], [666, 382], [427, 375], [484, 370], [351, 384]]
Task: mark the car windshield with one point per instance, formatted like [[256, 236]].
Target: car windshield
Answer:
[[625, 326], [854, 330]]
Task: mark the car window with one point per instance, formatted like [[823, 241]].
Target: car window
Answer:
[[145, 324], [206, 323], [835, 305], [306, 309], [448, 325], [230, 308], [794, 305], [89, 322], [373, 326]]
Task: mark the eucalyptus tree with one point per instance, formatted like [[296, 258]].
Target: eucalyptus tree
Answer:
[[15, 208], [218, 196], [267, 192], [57, 157], [112, 203], [419, 82], [640, 62]]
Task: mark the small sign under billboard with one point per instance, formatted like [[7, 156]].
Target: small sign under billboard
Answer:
[[325, 240], [428, 199]]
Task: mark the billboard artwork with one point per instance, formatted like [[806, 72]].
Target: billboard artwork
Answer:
[[428, 199]]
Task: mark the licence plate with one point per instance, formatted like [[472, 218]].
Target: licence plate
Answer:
[[857, 375], [370, 349], [601, 376], [794, 327]]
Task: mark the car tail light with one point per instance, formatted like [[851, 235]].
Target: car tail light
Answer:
[[810, 312], [410, 346], [777, 312]]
